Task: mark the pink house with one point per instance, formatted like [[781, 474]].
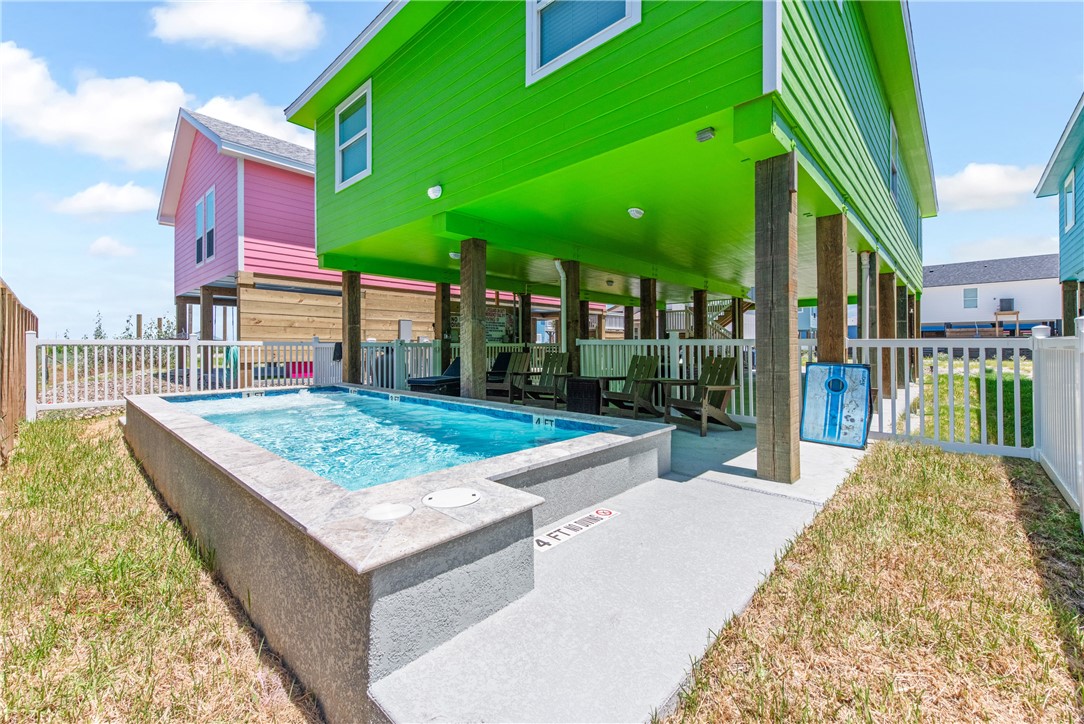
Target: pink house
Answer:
[[241, 204]]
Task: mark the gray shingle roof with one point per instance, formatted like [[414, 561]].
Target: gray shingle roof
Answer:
[[1017, 269], [257, 141]]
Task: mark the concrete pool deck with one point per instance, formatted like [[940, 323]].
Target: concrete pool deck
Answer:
[[620, 612]]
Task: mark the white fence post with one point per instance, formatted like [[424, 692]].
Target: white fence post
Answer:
[[31, 376], [435, 358], [1038, 332], [193, 369], [1080, 416], [400, 372]]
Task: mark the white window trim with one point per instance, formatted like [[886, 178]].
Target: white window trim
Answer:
[[536, 72], [1070, 180], [365, 90], [209, 192]]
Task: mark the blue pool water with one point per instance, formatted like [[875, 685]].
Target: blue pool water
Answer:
[[361, 440]]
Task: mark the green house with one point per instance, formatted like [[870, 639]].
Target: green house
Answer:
[[659, 151], [1060, 179]]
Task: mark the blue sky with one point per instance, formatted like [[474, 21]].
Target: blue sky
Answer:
[[90, 93]]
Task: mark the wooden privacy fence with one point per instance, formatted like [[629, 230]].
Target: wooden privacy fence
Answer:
[[15, 321]]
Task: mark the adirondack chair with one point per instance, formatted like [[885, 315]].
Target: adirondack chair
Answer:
[[500, 367], [709, 398], [550, 386], [635, 393], [505, 390]]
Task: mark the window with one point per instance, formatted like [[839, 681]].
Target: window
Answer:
[[971, 298], [894, 159], [353, 138], [1069, 191], [205, 227], [559, 31]]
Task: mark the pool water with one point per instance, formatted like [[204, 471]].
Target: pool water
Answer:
[[358, 441]]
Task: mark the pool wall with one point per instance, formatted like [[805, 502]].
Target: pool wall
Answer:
[[345, 600]]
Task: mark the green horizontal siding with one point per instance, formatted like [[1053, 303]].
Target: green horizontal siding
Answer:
[[452, 107], [832, 90]]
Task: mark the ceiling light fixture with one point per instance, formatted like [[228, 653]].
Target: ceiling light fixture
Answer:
[[636, 212], [609, 282], [453, 254], [435, 191], [705, 134]]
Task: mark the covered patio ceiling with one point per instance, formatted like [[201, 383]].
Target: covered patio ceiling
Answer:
[[696, 232]]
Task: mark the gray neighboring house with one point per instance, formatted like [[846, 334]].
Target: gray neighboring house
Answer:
[[961, 299]]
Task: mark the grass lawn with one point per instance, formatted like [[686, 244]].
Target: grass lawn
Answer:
[[107, 612], [933, 587]]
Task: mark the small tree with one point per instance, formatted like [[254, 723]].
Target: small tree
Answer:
[[99, 330]]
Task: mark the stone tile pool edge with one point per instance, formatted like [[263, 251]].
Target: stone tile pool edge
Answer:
[[415, 582]]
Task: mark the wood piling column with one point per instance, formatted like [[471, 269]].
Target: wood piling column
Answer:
[[526, 321], [351, 313], [630, 323], [648, 305], [886, 326], [585, 320], [472, 318], [442, 322], [572, 330], [1070, 305], [700, 314], [778, 408], [832, 289]]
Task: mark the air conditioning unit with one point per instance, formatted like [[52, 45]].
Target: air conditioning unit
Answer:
[[1006, 304]]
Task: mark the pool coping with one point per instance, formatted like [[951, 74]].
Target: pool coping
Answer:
[[334, 516]]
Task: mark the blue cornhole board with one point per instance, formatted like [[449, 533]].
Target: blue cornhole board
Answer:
[[835, 410]]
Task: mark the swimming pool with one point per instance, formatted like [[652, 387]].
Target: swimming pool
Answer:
[[358, 439]]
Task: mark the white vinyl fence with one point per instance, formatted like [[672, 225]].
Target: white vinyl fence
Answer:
[[1059, 412]]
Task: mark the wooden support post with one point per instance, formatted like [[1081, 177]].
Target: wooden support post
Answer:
[[911, 327], [737, 318], [902, 324], [139, 326], [648, 305], [472, 319], [206, 325], [573, 308], [182, 318], [862, 288], [351, 311], [832, 289], [585, 320], [442, 322], [700, 314], [778, 407], [526, 321], [630, 323], [663, 331], [886, 326], [1070, 305]]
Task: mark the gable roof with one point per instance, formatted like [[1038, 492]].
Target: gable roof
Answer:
[[989, 271], [231, 140], [1072, 138]]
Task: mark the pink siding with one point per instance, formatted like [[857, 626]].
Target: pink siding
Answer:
[[206, 168]]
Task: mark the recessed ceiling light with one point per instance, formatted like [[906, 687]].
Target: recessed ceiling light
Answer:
[[435, 191], [636, 212], [705, 134], [453, 254]]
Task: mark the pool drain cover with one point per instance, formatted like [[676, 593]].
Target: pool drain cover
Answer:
[[389, 511], [452, 498]]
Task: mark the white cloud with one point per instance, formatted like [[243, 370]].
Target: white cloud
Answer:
[[110, 247], [255, 113], [282, 28], [983, 186], [126, 119], [107, 198], [130, 120]]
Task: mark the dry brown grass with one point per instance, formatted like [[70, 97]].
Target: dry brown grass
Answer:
[[107, 611], [933, 587]]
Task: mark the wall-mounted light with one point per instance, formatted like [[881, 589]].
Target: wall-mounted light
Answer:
[[705, 134], [453, 254], [636, 212], [609, 282], [435, 191]]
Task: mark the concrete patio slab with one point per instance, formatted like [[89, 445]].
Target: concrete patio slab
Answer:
[[620, 612]]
